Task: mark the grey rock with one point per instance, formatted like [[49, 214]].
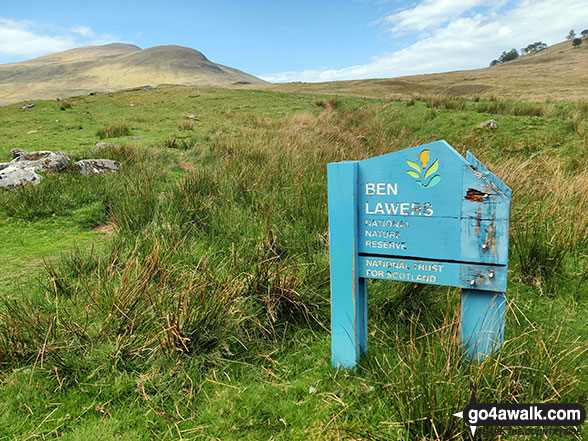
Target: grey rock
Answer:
[[44, 160], [105, 146], [14, 177], [28, 106], [30, 132], [192, 116], [15, 153], [490, 125], [97, 166]]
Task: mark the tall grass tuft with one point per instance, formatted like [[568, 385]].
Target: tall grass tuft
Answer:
[[330, 104], [510, 107], [113, 131], [137, 301], [422, 371], [445, 102], [186, 124], [65, 104]]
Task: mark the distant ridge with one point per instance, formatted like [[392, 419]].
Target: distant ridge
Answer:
[[559, 72], [112, 67]]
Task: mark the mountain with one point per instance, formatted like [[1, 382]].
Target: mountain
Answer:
[[109, 68], [559, 72]]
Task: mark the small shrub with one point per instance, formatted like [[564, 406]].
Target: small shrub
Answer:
[[113, 131]]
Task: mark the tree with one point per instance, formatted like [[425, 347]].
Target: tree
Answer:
[[539, 46], [584, 33], [505, 56], [577, 42], [508, 56], [533, 47], [571, 35]]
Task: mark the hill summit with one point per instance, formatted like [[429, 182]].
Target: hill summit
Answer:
[[112, 67]]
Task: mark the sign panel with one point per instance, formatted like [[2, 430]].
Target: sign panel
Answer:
[[422, 215], [428, 202]]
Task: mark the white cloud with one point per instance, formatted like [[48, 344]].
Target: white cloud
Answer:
[[19, 38], [430, 14], [94, 38], [84, 31], [464, 41], [26, 39]]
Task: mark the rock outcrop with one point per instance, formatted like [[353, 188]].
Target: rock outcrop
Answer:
[[13, 177], [490, 125], [97, 166], [24, 168]]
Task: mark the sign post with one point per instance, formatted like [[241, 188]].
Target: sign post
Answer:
[[421, 215]]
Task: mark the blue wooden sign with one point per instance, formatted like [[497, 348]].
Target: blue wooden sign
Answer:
[[420, 215]]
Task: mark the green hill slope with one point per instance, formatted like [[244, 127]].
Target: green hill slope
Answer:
[[559, 72], [109, 68]]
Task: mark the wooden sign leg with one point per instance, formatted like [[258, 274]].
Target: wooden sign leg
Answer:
[[348, 291], [482, 322]]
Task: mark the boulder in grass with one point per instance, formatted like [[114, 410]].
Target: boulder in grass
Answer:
[[13, 177], [44, 160], [97, 166], [15, 153], [490, 125], [106, 145]]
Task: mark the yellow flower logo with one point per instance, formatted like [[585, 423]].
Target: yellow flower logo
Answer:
[[424, 175]]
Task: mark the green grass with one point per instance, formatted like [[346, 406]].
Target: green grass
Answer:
[[205, 314]]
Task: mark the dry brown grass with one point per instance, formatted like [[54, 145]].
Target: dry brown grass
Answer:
[[186, 124], [557, 73]]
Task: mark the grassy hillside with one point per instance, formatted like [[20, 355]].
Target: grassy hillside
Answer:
[[559, 72], [199, 307], [110, 68]]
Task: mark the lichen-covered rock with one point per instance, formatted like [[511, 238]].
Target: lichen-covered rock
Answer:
[[13, 177], [490, 125], [97, 166], [41, 161], [106, 145], [15, 153]]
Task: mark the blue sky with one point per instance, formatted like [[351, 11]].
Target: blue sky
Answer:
[[299, 41]]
